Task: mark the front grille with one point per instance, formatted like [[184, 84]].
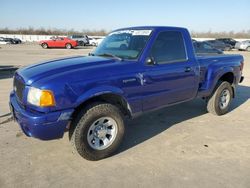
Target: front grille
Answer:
[[19, 88]]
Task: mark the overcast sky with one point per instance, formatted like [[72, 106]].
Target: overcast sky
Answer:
[[197, 15]]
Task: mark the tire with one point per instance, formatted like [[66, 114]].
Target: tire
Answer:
[[219, 102], [68, 46], [45, 45], [248, 49], [81, 43], [87, 137]]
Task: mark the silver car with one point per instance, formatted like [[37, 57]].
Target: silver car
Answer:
[[82, 40], [244, 45]]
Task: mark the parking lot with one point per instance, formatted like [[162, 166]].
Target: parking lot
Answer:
[[180, 146]]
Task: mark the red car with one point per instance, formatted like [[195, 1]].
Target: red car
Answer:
[[58, 42]]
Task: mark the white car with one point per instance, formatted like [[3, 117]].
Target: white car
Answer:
[[92, 41], [245, 45], [95, 41], [99, 40]]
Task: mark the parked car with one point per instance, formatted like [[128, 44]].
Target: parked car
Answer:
[[219, 45], [245, 45], [58, 42], [82, 40], [92, 41], [99, 40], [3, 41], [153, 67], [11, 40], [17, 40], [229, 41], [204, 48]]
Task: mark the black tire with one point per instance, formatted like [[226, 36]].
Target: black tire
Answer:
[[214, 102], [68, 46], [80, 43], [81, 125], [44, 45], [248, 49]]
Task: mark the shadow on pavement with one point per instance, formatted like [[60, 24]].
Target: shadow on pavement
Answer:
[[5, 115], [7, 71], [151, 124], [242, 95], [6, 120]]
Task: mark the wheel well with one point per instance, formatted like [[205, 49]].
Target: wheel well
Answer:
[[114, 99], [229, 77]]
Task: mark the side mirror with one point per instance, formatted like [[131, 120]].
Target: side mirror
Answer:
[[150, 61]]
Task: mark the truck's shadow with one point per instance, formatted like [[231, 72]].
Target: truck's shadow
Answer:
[[152, 124]]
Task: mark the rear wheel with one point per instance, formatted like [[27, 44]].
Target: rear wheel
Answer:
[[97, 131], [219, 102], [68, 46], [45, 45]]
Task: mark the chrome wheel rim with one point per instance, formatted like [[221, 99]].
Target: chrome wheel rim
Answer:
[[102, 133], [224, 99]]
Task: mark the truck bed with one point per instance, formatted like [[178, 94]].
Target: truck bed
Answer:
[[209, 63]]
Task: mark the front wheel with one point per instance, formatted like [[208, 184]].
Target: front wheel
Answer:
[[97, 131], [219, 102]]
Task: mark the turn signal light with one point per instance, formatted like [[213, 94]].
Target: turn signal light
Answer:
[[47, 98]]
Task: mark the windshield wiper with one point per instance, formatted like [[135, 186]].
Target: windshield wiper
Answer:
[[111, 55]]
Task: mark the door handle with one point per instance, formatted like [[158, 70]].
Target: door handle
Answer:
[[188, 69]]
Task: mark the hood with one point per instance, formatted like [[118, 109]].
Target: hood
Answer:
[[47, 69]]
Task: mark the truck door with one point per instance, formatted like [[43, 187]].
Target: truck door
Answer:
[[173, 77], [59, 42]]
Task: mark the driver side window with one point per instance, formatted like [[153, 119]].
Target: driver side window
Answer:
[[169, 47]]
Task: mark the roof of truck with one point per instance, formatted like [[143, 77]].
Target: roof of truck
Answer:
[[152, 27]]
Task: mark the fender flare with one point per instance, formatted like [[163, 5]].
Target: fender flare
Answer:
[[223, 71], [98, 91]]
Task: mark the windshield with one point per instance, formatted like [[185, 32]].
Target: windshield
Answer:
[[125, 44]]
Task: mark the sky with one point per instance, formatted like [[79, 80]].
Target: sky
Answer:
[[196, 15]]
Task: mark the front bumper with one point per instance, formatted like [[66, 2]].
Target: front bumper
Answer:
[[44, 126]]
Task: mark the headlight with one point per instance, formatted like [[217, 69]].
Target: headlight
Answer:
[[42, 98]]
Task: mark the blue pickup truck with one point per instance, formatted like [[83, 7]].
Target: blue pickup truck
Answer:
[[134, 70]]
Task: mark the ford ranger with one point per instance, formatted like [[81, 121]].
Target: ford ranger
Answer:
[[133, 71]]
